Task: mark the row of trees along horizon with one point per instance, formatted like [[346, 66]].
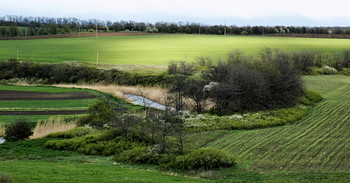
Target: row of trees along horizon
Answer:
[[12, 26]]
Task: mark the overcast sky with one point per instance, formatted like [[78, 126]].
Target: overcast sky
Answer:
[[238, 12]]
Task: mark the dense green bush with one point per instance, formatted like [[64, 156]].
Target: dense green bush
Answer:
[[137, 155], [310, 97], [326, 70], [106, 143], [345, 71], [76, 132], [18, 130], [263, 119], [204, 159]]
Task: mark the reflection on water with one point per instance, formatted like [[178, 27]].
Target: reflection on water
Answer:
[[139, 100]]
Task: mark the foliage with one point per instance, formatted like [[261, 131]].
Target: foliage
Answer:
[[204, 159], [327, 70], [75, 132], [310, 97], [304, 61], [263, 119], [18, 130], [345, 71], [138, 155], [246, 85], [107, 143]]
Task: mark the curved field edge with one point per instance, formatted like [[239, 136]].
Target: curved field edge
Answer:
[[320, 141]]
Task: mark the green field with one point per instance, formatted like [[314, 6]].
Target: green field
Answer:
[[36, 105], [319, 142], [46, 89], [315, 149], [155, 49], [18, 160]]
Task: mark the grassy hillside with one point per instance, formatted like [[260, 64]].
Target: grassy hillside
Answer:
[[318, 142], [155, 49]]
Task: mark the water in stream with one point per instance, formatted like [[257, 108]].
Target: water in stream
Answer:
[[139, 100], [2, 140]]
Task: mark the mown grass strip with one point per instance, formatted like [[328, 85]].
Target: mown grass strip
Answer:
[[317, 142]]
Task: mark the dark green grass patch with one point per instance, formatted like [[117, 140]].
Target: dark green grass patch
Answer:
[[46, 104], [72, 172], [6, 119], [46, 89]]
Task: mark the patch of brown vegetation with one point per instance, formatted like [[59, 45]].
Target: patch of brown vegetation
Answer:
[[77, 35], [156, 94], [24, 95], [52, 125], [337, 36]]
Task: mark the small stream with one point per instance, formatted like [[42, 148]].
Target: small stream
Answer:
[[139, 100], [2, 140]]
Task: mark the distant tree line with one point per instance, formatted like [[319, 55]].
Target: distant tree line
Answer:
[[12, 26]]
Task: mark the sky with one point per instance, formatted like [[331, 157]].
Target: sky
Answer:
[[210, 12]]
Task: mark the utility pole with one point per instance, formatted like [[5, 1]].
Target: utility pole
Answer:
[[79, 29], [139, 28], [225, 28], [96, 31], [97, 54], [199, 29]]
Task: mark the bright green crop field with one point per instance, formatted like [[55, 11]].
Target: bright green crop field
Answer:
[[155, 49]]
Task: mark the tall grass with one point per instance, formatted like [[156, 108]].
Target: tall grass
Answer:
[[155, 93], [52, 125], [2, 130]]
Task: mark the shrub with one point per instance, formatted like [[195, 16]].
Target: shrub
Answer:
[[204, 159], [19, 130], [327, 70], [345, 71], [75, 132], [106, 143], [137, 155], [310, 98], [262, 119]]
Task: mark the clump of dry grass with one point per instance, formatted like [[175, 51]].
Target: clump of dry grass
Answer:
[[52, 125], [2, 130], [154, 93]]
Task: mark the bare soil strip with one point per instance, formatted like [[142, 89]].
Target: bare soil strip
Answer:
[[43, 112], [336, 36], [76, 35], [23, 95]]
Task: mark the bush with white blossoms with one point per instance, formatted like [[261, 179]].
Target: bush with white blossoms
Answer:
[[327, 70]]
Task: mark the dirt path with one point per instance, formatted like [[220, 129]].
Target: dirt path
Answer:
[[76, 35]]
